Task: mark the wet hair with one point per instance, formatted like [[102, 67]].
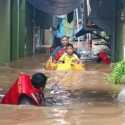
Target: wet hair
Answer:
[[64, 37], [69, 45], [39, 80]]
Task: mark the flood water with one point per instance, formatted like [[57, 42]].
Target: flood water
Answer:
[[72, 98]]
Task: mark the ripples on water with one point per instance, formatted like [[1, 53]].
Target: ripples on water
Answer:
[[58, 96], [71, 98]]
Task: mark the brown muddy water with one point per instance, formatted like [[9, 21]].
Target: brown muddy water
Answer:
[[72, 98]]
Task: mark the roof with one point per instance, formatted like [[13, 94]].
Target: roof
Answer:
[[55, 7]]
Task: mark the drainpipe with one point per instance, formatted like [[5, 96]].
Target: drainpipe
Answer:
[[77, 19]]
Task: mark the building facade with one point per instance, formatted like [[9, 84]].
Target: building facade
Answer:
[[18, 23]]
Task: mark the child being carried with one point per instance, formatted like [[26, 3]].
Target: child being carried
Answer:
[[69, 60]]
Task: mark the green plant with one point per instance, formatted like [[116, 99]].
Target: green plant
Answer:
[[117, 75]]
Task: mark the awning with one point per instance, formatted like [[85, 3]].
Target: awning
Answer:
[[56, 7]]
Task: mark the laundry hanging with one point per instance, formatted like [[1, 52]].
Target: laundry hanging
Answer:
[[55, 7], [70, 17]]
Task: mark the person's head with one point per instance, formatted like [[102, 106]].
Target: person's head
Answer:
[[64, 40], [39, 80], [69, 49]]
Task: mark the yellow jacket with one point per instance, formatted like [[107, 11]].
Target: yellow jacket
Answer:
[[69, 59]]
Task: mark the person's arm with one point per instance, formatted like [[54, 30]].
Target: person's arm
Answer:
[[76, 59]]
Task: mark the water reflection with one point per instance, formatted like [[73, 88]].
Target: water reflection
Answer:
[[78, 114]]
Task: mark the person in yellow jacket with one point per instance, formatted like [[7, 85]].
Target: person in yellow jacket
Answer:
[[69, 59]]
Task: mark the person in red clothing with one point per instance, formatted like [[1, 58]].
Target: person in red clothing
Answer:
[[26, 90], [104, 57], [59, 51], [59, 54]]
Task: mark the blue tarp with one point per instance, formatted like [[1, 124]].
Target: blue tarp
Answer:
[[55, 7]]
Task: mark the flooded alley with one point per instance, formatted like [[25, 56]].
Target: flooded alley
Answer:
[[73, 98], [62, 62]]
